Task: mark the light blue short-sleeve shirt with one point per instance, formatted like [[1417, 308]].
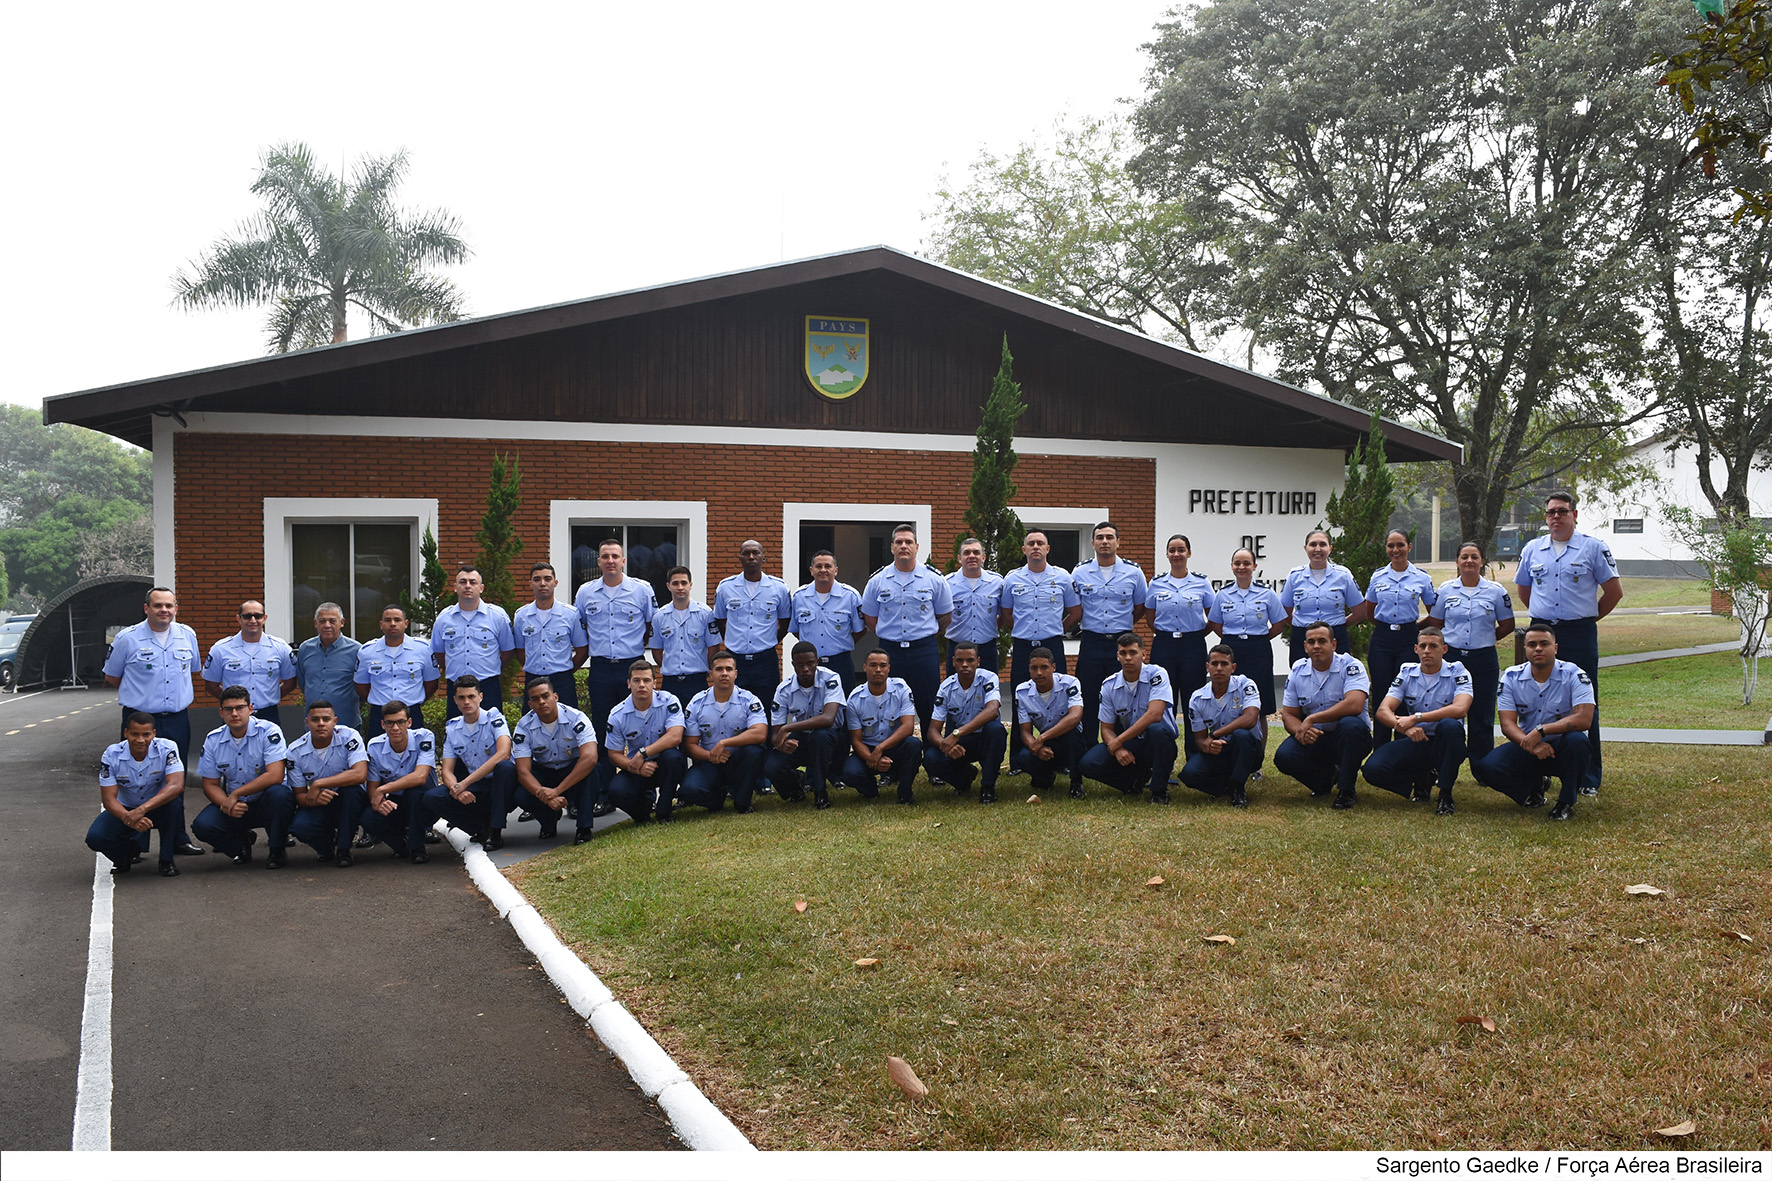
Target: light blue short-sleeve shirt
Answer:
[[1179, 605], [709, 720], [615, 617], [472, 642], [235, 761], [387, 764], [472, 745], [976, 603], [631, 729], [1249, 612], [875, 718], [547, 638], [261, 667], [1536, 705], [684, 637], [828, 621], [1326, 599], [138, 782], [1313, 691], [1393, 596], [959, 704], [404, 674], [795, 702], [307, 763], [553, 745], [1123, 702], [1039, 601], [328, 674], [154, 668], [1046, 710], [1421, 693], [1209, 712], [750, 611], [1470, 614], [1110, 594], [906, 603], [1566, 585]]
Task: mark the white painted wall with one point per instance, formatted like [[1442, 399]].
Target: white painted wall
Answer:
[[1676, 469]]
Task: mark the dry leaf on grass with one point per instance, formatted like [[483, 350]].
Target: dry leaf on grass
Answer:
[[1683, 1128], [1739, 936], [1033, 799], [949, 1021], [905, 1077], [1488, 1023], [1639, 941], [1293, 1033], [1156, 880], [799, 908], [867, 962], [1219, 938], [1645, 888]]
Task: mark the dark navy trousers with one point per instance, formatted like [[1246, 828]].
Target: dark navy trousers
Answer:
[[981, 750], [120, 843], [1153, 758], [813, 752], [706, 785], [1066, 751], [1396, 765], [272, 809], [1333, 760], [641, 796], [906, 757], [1230, 768], [327, 828], [1519, 776]]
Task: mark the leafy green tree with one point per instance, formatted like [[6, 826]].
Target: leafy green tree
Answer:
[[323, 245], [499, 543], [433, 588], [1722, 82], [1359, 516], [40, 466], [1737, 558], [1429, 209], [43, 555], [988, 515]]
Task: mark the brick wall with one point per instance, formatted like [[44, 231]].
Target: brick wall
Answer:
[[221, 481]]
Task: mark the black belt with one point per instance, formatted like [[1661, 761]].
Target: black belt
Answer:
[[754, 655], [623, 660], [1177, 635], [1397, 627], [1230, 636], [1108, 636], [929, 639]]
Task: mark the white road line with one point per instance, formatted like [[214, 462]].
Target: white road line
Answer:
[[92, 1094]]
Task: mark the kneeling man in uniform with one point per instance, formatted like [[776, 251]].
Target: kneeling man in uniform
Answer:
[[242, 766], [141, 786], [1546, 707]]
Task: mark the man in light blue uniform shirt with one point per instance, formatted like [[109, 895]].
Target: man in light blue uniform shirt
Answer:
[[804, 727], [1546, 707], [1225, 717], [724, 731], [1426, 706], [402, 770], [967, 726], [556, 751], [1324, 709], [978, 596], [880, 715], [472, 636], [616, 611], [1136, 712], [684, 638], [1569, 580], [394, 668], [752, 609], [326, 666], [254, 658], [1049, 705], [141, 787], [906, 604], [326, 769], [1113, 591], [476, 777], [549, 635], [827, 614], [153, 665], [644, 741], [1039, 604], [242, 766]]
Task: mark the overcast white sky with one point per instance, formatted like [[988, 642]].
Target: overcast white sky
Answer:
[[586, 148]]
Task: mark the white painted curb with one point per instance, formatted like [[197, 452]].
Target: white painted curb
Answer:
[[698, 1123]]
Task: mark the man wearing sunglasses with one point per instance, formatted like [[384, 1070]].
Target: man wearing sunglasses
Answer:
[[254, 658], [1568, 580]]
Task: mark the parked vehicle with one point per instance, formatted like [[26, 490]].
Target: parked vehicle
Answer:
[[11, 633]]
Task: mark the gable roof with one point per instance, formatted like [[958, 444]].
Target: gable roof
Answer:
[[126, 410]]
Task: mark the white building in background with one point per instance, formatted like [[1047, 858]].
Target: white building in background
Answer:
[[1631, 520]]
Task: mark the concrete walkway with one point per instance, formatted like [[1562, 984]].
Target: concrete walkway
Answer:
[[1667, 654], [1685, 737]]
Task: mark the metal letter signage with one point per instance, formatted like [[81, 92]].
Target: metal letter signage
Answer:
[[836, 355]]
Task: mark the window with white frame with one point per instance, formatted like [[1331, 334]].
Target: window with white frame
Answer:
[[654, 535], [358, 552]]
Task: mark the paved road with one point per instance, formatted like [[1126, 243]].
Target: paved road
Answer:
[[379, 1007]]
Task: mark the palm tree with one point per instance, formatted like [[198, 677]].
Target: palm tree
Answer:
[[322, 246]]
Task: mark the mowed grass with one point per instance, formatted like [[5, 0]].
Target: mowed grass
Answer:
[[1688, 692], [1051, 999], [1651, 633], [1664, 592]]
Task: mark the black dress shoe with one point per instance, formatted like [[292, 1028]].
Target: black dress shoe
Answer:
[[244, 856], [345, 860], [987, 796], [1585, 790], [744, 811], [494, 841], [1535, 800], [1319, 791], [601, 808], [905, 802], [363, 841], [572, 811], [1161, 797], [581, 836], [1562, 812], [822, 802], [168, 869], [1239, 798], [189, 850], [1446, 808], [1343, 802], [289, 841], [525, 816], [120, 870], [1422, 793], [136, 860], [1076, 793], [419, 857], [432, 838], [275, 859]]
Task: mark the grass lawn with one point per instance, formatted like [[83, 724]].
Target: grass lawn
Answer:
[[1650, 633], [1664, 592], [1691, 692], [1051, 999]]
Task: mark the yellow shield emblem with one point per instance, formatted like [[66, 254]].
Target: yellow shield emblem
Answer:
[[836, 355]]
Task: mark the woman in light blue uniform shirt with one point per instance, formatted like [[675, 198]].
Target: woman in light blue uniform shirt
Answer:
[[1477, 614], [1248, 617], [1391, 596], [1179, 603], [1321, 592]]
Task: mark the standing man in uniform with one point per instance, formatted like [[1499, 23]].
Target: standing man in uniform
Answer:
[[326, 666], [392, 669], [153, 666], [550, 637], [752, 609], [906, 604], [242, 766], [327, 767], [1113, 591], [254, 658], [1567, 579], [978, 596], [684, 638], [1546, 708], [806, 721], [881, 713], [1050, 706], [141, 786], [1136, 710], [1039, 604], [827, 614], [644, 741], [472, 636], [967, 725], [616, 611], [725, 728], [1324, 712]]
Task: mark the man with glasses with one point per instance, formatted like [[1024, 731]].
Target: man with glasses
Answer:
[[254, 658], [1569, 581]]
